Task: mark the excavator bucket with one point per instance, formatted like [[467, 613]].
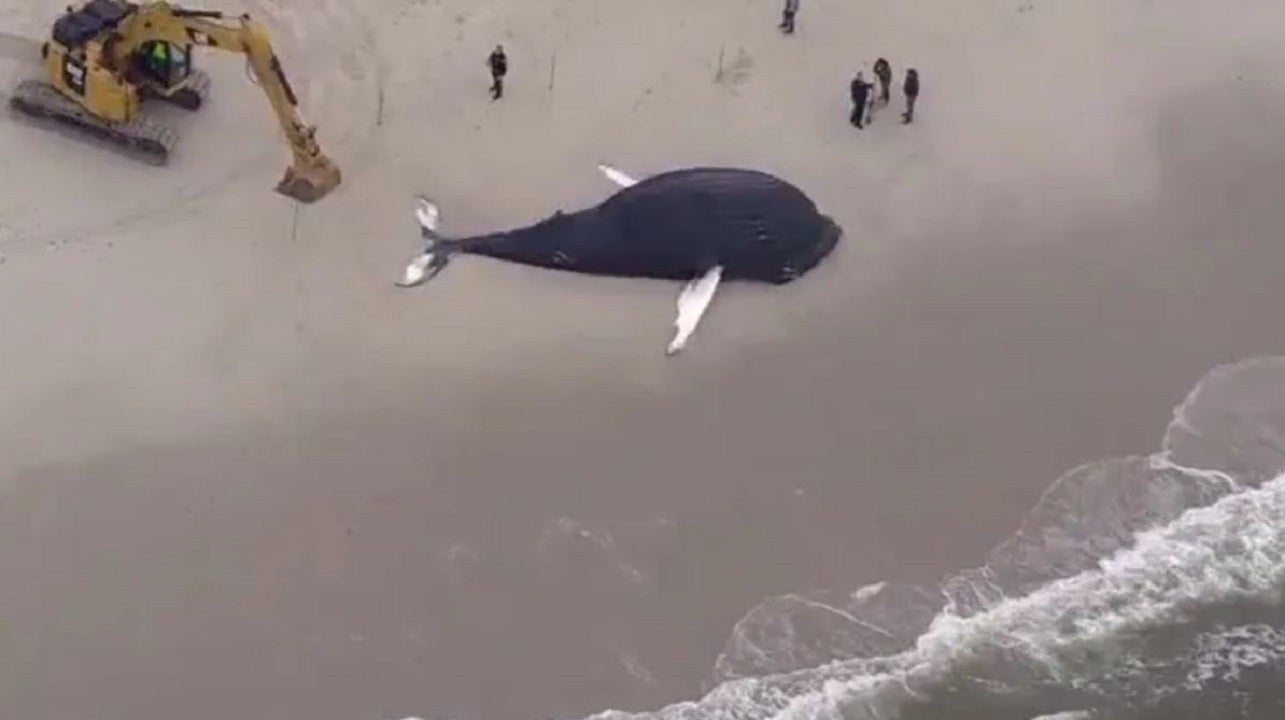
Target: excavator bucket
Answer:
[[310, 182]]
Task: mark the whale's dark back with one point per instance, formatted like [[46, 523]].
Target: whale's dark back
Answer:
[[680, 223]]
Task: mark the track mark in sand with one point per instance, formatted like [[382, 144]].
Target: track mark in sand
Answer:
[[329, 51], [734, 71]]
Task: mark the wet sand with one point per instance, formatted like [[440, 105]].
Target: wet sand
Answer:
[[245, 476]]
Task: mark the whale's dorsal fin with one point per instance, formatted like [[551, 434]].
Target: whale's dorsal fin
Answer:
[[692, 303], [620, 178]]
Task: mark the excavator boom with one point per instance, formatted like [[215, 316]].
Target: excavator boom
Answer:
[[311, 174]]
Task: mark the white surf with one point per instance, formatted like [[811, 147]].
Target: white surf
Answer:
[[1230, 550]]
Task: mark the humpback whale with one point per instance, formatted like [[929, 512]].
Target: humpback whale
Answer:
[[701, 225]]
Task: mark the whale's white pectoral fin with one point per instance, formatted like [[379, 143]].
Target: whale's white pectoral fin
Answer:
[[616, 176], [416, 270], [692, 304], [427, 214]]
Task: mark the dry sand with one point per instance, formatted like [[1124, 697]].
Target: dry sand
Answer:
[[245, 476]]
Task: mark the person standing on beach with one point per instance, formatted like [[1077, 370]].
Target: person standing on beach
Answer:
[[499, 64], [787, 16], [911, 89], [860, 91], [883, 71]]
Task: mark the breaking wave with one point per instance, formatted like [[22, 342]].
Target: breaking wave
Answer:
[[1135, 585]]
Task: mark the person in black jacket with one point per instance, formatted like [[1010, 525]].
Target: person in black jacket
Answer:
[[499, 64], [787, 16], [883, 71], [860, 91], [911, 88]]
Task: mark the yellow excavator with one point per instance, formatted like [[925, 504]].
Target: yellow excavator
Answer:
[[105, 58]]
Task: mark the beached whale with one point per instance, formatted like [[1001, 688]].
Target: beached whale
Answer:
[[702, 225]]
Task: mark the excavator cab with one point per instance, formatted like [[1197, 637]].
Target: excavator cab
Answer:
[[163, 63], [164, 70]]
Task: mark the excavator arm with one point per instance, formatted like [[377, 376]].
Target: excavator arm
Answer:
[[311, 174]]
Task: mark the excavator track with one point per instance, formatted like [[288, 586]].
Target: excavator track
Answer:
[[150, 141]]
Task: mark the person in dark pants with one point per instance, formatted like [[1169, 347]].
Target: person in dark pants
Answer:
[[911, 89], [860, 90], [883, 71], [499, 64], [787, 16]]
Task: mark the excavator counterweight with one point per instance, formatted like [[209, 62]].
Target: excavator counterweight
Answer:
[[107, 59]]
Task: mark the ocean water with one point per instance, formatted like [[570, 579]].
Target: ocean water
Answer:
[[1138, 588]]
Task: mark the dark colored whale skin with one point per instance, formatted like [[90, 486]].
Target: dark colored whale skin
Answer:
[[674, 225]]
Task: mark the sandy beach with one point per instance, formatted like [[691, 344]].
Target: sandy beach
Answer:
[[245, 476]]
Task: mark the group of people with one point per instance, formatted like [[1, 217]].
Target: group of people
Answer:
[[864, 100]]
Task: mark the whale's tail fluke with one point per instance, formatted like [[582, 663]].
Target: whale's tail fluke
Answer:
[[437, 249], [427, 214]]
